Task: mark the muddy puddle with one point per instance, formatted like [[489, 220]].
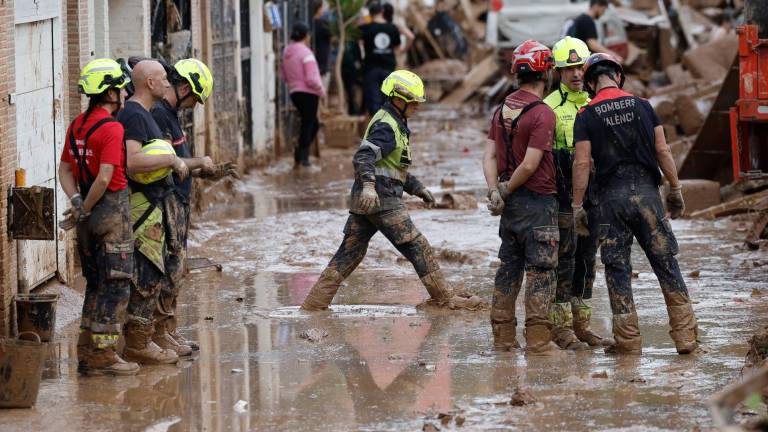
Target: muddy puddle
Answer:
[[376, 363]]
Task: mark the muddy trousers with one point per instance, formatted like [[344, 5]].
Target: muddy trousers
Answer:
[[529, 244], [398, 228], [177, 213], [560, 313], [585, 259], [105, 246], [630, 208]]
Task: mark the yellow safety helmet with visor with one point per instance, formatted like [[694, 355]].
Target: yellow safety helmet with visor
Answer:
[[101, 74], [405, 85], [199, 77], [570, 51]]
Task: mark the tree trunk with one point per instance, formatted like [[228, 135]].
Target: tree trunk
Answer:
[[756, 12], [342, 24]]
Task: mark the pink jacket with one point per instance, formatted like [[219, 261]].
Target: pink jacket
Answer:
[[300, 71]]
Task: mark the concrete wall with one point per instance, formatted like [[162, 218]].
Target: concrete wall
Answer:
[[129, 26]]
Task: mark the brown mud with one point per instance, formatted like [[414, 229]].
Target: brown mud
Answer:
[[385, 365]]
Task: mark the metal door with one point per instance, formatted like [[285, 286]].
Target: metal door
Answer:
[[37, 121], [226, 62]]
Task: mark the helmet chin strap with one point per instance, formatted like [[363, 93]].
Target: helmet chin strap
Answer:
[[399, 111], [180, 100]]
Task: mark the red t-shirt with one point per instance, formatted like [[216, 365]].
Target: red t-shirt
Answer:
[[105, 146], [535, 129]]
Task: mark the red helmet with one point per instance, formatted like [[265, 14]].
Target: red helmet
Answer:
[[596, 59], [532, 56]]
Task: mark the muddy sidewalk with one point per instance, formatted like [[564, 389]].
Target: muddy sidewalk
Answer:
[[375, 362]]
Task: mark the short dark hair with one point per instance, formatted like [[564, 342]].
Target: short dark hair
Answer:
[[388, 12], [598, 3], [601, 69], [530, 77], [374, 8], [299, 31]]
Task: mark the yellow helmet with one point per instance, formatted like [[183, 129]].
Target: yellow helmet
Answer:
[[197, 74], [99, 75], [404, 84], [154, 147], [570, 51]]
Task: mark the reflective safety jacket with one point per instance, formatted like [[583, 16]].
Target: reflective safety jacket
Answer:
[[148, 229], [566, 104], [384, 157]]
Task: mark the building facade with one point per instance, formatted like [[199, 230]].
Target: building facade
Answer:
[[40, 59]]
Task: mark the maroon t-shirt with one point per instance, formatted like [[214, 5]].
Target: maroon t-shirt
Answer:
[[535, 129]]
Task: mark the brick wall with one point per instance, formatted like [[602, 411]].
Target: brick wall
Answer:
[[8, 161], [78, 51]]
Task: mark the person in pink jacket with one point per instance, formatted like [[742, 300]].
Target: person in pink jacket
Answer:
[[302, 76]]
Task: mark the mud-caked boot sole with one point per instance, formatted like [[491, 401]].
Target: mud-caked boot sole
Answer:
[[565, 339]]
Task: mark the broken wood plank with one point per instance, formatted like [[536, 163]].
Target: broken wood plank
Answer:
[[754, 234], [476, 77], [756, 201]]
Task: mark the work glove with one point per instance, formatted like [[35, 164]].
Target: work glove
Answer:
[[675, 203], [180, 168], [426, 196], [67, 223], [369, 199], [503, 189], [77, 210], [220, 171], [495, 202], [580, 221]]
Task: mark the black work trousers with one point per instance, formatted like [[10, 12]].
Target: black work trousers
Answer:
[[631, 207], [306, 104]]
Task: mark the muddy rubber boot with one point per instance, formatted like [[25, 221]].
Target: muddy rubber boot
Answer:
[[322, 293], [505, 336], [626, 335], [538, 342], [562, 328], [164, 340], [441, 294], [582, 314], [503, 321], [685, 330], [140, 348]]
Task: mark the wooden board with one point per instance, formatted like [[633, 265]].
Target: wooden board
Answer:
[[476, 77]]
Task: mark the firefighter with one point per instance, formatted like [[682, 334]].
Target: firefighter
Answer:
[[381, 176], [520, 173], [568, 312], [191, 84], [92, 174], [150, 161], [623, 135]]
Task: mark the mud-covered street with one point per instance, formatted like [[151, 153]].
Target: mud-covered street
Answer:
[[375, 362]]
